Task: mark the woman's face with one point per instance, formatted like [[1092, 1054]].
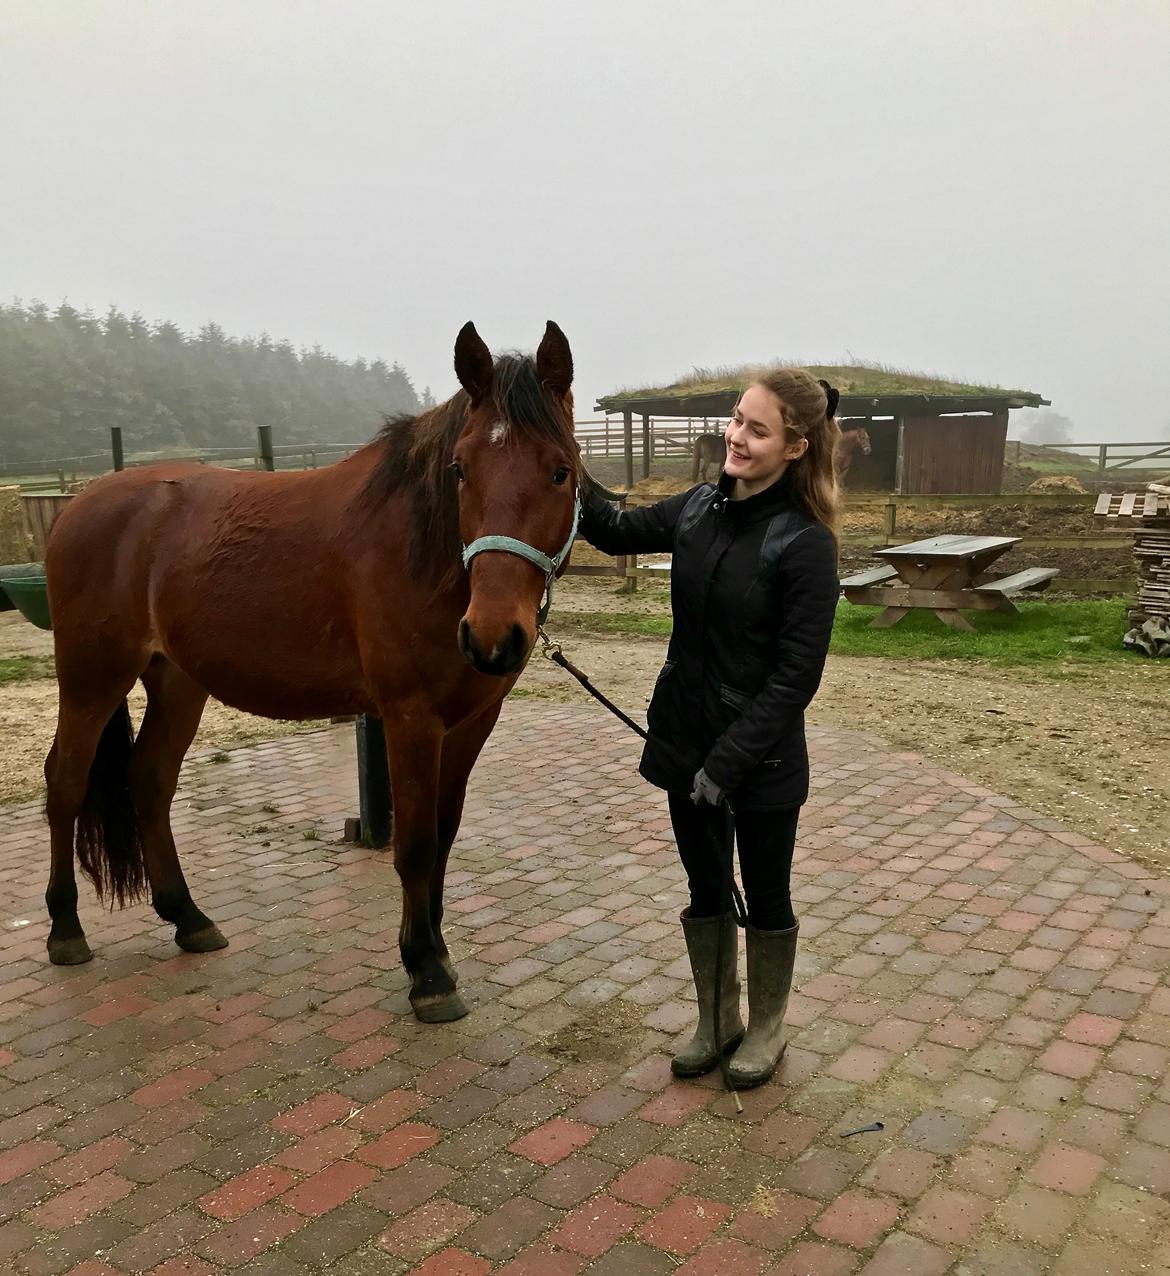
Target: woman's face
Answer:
[[759, 447]]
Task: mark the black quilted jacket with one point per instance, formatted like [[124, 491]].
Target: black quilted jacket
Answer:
[[753, 591]]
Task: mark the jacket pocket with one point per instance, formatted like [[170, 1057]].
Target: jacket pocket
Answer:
[[736, 699], [665, 716]]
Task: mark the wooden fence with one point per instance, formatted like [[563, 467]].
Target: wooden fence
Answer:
[[1109, 456]]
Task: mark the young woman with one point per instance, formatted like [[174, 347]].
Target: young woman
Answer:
[[753, 591]]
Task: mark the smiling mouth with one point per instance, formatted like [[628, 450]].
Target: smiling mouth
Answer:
[[737, 456]]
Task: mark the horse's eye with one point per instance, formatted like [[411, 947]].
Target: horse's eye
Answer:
[[457, 470], [561, 475]]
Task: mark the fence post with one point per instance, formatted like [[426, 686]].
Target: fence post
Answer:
[[891, 521], [1102, 455], [646, 444], [628, 439], [116, 447], [264, 443], [374, 799]]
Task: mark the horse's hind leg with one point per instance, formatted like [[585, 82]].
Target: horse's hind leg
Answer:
[[173, 709], [80, 728]]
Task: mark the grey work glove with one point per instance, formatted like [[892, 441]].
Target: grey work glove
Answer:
[[706, 790]]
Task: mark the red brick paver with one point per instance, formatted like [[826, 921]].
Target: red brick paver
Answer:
[[987, 983]]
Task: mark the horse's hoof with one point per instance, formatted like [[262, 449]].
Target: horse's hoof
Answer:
[[70, 952], [207, 940], [439, 1007]]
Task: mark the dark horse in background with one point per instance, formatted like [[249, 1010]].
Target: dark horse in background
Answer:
[[307, 595], [851, 439]]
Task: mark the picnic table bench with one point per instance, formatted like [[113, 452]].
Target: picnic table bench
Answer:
[[943, 574]]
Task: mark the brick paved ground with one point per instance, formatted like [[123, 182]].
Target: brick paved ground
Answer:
[[985, 982]]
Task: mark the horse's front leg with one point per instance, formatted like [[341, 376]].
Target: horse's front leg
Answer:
[[461, 748], [414, 748]]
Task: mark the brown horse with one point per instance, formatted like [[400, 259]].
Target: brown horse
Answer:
[[708, 449], [330, 592], [849, 441]]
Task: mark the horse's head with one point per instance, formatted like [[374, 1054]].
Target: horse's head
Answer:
[[517, 465], [863, 441]]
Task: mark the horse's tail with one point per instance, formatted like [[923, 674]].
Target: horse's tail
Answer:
[[696, 452], [109, 840]]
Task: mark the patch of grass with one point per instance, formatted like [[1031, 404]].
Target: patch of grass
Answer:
[[26, 669], [1086, 633], [529, 693], [311, 835], [1075, 633], [269, 809], [857, 378], [220, 756]]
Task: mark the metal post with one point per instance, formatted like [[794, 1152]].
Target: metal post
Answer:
[[1102, 455], [264, 443], [375, 805], [116, 447]]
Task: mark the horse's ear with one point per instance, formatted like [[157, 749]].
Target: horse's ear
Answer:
[[473, 363], [554, 360]]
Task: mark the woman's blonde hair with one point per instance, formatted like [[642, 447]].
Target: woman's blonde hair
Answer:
[[808, 408]]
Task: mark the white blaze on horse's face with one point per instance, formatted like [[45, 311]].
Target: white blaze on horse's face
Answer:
[[499, 434]]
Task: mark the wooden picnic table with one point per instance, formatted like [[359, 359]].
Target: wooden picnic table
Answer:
[[943, 574]]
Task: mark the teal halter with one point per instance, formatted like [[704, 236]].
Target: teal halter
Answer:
[[549, 566]]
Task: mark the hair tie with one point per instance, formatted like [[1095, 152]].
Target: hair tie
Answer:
[[833, 396]]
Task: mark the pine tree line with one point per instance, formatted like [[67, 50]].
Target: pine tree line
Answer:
[[67, 376]]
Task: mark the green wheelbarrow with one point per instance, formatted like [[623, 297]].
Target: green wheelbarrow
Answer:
[[22, 586]]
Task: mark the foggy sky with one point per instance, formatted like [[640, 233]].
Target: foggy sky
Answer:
[[976, 189]]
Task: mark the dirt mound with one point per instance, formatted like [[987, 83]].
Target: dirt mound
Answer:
[[598, 1033], [1057, 483], [659, 487]]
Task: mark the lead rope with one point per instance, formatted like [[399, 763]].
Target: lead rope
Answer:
[[552, 651]]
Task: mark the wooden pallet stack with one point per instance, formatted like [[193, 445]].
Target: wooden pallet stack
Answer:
[[1149, 513]]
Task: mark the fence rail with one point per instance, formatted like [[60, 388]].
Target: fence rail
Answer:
[[1112, 456], [599, 437]]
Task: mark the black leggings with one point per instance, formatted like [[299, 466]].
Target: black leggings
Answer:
[[766, 841]]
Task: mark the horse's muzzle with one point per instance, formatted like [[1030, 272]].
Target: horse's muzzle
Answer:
[[506, 657]]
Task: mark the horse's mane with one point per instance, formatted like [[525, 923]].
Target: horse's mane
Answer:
[[415, 457]]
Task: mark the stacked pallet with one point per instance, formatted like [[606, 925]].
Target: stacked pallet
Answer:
[[1152, 547], [1149, 513]]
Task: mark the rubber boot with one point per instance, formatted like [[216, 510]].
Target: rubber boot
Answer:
[[771, 955], [712, 945]]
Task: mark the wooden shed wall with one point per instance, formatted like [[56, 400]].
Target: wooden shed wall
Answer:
[[954, 453], [40, 513]]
